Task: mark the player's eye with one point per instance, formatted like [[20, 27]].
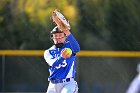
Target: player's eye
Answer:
[[58, 37]]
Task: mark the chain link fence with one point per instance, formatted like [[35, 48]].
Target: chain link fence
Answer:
[[94, 74]]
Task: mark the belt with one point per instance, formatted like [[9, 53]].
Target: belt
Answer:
[[54, 81]]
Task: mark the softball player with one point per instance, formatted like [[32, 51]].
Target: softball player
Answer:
[[62, 66], [135, 85]]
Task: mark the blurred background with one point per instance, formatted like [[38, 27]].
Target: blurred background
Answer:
[[98, 25]]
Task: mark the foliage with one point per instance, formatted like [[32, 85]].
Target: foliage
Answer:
[[100, 24], [26, 24], [109, 25]]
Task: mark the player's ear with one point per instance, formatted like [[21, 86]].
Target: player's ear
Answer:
[[51, 38]]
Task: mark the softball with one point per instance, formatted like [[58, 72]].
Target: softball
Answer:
[[68, 51]]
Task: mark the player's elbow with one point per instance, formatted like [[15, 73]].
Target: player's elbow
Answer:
[[77, 49]]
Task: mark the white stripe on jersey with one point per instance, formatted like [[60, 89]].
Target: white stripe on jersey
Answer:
[[69, 75]]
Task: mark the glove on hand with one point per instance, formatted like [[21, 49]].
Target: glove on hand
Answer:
[[60, 20]]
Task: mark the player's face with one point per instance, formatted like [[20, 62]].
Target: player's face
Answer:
[[59, 38]]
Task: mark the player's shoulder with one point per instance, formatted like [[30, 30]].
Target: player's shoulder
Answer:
[[52, 47], [47, 50], [67, 43]]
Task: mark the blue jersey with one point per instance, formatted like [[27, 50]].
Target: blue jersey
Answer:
[[61, 68]]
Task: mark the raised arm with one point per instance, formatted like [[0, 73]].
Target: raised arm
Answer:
[[73, 41]]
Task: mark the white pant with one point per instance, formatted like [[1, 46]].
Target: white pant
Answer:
[[66, 87]]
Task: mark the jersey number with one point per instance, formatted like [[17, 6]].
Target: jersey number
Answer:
[[63, 64]]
